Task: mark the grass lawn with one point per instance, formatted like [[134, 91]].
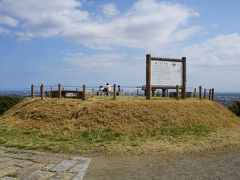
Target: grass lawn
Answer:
[[125, 126]]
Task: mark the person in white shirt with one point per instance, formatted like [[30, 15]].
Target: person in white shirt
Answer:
[[107, 89]]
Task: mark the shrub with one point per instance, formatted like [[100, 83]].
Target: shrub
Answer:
[[8, 102], [235, 107]]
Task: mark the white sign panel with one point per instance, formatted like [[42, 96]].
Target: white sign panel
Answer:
[[71, 94], [166, 73]]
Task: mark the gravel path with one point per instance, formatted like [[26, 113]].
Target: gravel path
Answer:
[[31, 165], [224, 164]]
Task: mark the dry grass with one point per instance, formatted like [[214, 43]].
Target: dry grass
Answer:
[[128, 125]]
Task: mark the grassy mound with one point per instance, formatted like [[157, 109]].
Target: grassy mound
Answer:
[[125, 126]]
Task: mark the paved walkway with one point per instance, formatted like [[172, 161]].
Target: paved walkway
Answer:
[[30, 165], [208, 165]]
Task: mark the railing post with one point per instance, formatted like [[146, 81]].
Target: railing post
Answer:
[[184, 77], [177, 92], [42, 91], [32, 91], [51, 92], [137, 92], [114, 91], [84, 93], [210, 94], [148, 77], [205, 92], [59, 91], [163, 92], [195, 93], [200, 92]]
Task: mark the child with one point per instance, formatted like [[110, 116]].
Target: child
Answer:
[[100, 90], [118, 90]]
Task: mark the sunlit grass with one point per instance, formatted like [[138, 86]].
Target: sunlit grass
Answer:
[[126, 125]]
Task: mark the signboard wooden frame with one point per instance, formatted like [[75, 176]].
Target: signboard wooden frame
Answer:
[[149, 87]]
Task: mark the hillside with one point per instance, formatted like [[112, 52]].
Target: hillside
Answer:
[[125, 125]]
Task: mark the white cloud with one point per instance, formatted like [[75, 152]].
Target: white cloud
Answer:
[[221, 51], [214, 62], [43, 19], [3, 31], [110, 9], [9, 21], [148, 24], [93, 62]]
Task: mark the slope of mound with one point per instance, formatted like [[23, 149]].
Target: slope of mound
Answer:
[[123, 123], [120, 115]]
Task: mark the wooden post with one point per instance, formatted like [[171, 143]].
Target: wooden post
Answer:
[[195, 93], [177, 92], [114, 91], [59, 91], [92, 91], [184, 77], [205, 94], [137, 92], [32, 91], [42, 91], [51, 89], [163, 92], [153, 92], [210, 94], [148, 77], [84, 93], [200, 92]]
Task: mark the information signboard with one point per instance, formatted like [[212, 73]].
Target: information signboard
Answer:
[[166, 73]]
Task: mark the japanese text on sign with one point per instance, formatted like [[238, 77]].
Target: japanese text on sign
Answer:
[[166, 73]]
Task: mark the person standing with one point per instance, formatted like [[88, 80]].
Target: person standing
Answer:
[[107, 88], [100, 90], [118, 90]]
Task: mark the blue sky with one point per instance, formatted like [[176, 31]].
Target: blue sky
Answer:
[[94, 42]]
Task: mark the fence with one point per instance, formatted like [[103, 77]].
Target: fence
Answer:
[[82, 92]]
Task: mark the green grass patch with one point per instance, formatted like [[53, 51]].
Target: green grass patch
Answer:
[[85, 141]]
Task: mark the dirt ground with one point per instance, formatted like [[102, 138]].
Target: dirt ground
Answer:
[[218, 164]]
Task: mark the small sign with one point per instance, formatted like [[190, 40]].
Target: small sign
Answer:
[[70, 94], [166, 73]]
